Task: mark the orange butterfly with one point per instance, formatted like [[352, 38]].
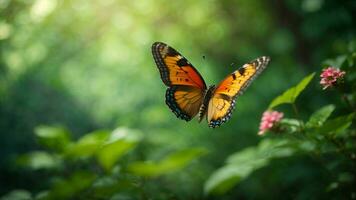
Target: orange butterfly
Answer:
[[187, 94]]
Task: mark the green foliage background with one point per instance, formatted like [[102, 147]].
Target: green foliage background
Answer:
[[82, 112]]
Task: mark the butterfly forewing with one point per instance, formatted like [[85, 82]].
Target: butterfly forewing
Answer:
[[174, 68], [223, 100], [186, 86]]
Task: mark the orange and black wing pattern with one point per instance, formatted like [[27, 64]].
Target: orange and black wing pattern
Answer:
[[222, 102], [186, 87]]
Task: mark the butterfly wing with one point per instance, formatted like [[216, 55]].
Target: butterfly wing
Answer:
[[184, 101], [186, 87], [222, 102]]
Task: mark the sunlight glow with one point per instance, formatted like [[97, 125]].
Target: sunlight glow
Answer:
[[5, 30], [41, 9]]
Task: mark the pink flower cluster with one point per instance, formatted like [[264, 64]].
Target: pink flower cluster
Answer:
[[330, 76], [269, 119]]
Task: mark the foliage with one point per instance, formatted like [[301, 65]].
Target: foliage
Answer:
[[76, 175], [55, 138], [290, 95], [72, 71], [320, 116], [169, 164], [319, 137], [240, 165]]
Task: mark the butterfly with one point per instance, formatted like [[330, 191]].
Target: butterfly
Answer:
[[187, 94]]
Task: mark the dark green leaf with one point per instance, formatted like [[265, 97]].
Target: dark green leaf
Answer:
[[105, 187], [243, 163], [337, 62], [332, 186], [17, 195], [320, 116], [71, 187], [42, 195], [337, 125], [290, 126]]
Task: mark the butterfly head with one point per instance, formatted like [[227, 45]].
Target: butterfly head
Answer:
[[208, 94], [211, 88]]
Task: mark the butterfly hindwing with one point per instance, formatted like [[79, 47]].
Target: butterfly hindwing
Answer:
[[186, 86], [222, 102], [184, 101]]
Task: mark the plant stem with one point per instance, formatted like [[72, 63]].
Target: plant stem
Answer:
[[143, 189], [297, 116], [347, 101], [340, 147], [295, 110], [343, 95]]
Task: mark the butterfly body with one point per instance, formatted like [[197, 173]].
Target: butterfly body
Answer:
[[187, 94], [203, 108]]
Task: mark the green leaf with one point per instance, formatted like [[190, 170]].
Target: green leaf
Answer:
[[288, 125], [111, 152], [225, 178], [17, 195], [286, 97], [302, 85], [337, 125], [88, 144], [171, 163], [320, 116], [38, 160], [106, 186], [121, 141], [336, 62], [291, 122], [290, 95], [266, 149], [55, 138], [241, 164], [276, 148], [42, 195], [243, 156], [71, 187], [106, 147]]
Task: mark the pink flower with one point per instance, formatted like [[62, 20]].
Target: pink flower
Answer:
[[330, 76], [269, 119]]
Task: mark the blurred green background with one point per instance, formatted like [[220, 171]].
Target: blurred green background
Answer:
[[87, 65]]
